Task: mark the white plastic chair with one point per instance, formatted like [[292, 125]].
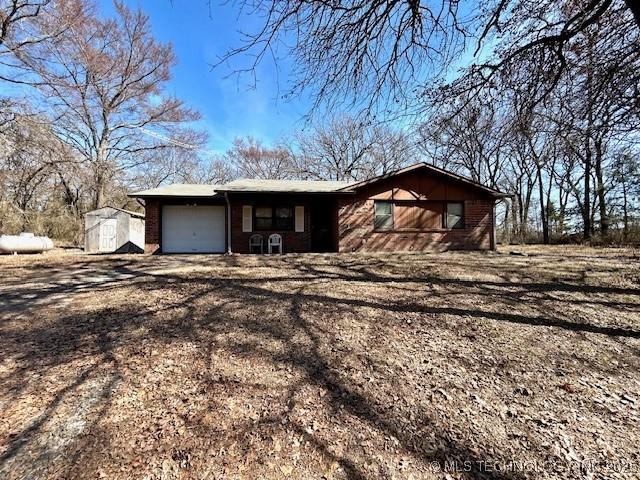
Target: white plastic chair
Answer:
[[275, 243], [255, 243]]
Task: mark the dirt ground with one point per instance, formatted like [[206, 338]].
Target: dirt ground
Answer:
[[451, 365]]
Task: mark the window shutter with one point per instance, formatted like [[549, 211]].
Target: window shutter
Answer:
[[299, 219], [247, 218]]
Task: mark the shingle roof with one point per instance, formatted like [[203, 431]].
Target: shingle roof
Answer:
[[285, 186], [178, 190], [295, 186]]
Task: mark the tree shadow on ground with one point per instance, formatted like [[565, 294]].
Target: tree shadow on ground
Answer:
[[285, 315], [76, 337]]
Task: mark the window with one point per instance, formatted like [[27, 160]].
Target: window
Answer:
[[418, 215], [455, 215], [263, 218], [383, 215], [274, 218], [284, 218]]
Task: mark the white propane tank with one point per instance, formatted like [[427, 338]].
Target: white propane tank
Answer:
[[24, 243]]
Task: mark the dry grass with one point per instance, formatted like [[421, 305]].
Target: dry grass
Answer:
[[351, 366]]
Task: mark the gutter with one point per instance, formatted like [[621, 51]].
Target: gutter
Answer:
[[286, 192], [162, 195], [493, 228]]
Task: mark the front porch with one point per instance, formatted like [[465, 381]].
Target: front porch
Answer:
[[306, 223]]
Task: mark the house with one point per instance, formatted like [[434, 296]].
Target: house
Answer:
[[113, 230], [417, 208]]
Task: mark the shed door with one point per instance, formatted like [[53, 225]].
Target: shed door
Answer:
[[197, 229], [108, 235]]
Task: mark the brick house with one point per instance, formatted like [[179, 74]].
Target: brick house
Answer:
[[417, 208]]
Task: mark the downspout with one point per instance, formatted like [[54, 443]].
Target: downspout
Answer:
[[493, 227], [226, 197]]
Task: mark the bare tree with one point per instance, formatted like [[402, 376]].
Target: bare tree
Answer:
[[18, 24], [392, 148], [102, 81], [347, 149], [473, 141], [388, 52], [334, 151], [538, 147], [626, 174], [520, 179], [96, 120], [250, 158], [29, 156], [25, 23], [213, 170], [182, 166]]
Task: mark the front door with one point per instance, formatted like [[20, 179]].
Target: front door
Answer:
[[108, 235], [321, 227]]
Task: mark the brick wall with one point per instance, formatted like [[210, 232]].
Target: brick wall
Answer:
[[356, 233], [152, 225], [292, 241], [355, 219]]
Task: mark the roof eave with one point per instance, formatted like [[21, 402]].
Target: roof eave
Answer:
[[166, 195], [288, 192]]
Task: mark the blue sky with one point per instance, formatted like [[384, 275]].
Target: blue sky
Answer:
[[200, 32], [229, 107]]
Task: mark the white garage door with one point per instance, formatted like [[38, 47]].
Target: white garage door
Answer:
[[187, 229]]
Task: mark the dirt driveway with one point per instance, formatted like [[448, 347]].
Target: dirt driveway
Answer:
[[454, 365]]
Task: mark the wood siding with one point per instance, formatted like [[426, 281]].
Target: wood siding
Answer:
[[418, 215], [419, 199]]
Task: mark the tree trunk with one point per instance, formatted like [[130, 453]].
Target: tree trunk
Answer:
[[549, 201], [563, 199], [514, 219], [602, 204], [98, 197], [544, 217], [521, 220], [625, 214], [588, 161], [586, 210], [25, 221], [100, 174], [24, 217], [507, 227]]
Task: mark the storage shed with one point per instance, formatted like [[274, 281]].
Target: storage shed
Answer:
[[113, 230]]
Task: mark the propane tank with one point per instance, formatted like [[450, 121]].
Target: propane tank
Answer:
[[24, 243]]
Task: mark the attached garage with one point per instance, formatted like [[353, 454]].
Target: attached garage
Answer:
[[193, 229], [417, 208], [184, 218]]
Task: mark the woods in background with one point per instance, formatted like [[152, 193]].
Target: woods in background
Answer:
[[540, 99], [552, 122], [92, 113], [549, 114]]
